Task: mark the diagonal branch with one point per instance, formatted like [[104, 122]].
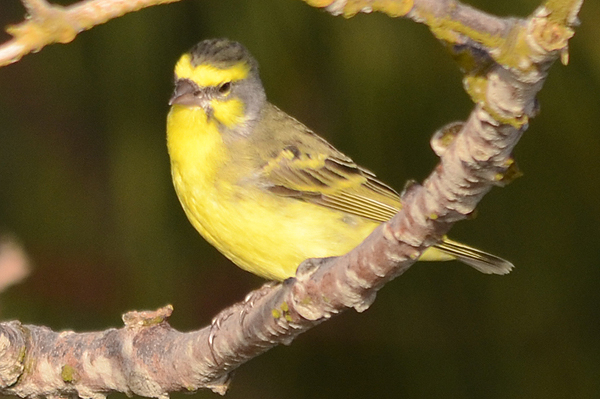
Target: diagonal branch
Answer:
[[47, 23]]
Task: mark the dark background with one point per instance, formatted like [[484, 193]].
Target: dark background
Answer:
[[85, 185]]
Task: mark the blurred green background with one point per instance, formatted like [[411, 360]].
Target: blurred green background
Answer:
[[85, 185]]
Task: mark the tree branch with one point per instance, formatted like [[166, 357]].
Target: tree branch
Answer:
[[47, 23], [147, 357]]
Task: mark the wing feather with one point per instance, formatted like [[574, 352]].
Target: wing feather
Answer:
[[333, 182]]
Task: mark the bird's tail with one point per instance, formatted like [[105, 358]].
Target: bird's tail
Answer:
[[479, 260]]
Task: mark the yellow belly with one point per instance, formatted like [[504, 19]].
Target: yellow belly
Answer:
[[270, 236]]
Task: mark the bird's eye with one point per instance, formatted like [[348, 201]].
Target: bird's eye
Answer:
[[225, 88]]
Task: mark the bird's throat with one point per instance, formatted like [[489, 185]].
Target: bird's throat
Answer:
[[195, 145]]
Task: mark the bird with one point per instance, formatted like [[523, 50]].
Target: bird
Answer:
[[263, 188]]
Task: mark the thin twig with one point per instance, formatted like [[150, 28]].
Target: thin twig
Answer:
[[47, 23]]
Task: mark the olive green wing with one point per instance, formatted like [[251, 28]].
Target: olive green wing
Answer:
[[335, 182], [302, 165], [332, 181]]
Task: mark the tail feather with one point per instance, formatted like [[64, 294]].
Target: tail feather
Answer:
[[479, 260]]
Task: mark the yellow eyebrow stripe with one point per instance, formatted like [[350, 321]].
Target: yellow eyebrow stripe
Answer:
[[206, 75]]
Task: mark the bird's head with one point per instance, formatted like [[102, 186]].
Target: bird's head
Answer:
[[220, 78]]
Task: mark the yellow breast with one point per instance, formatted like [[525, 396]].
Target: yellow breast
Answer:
[[196, 150]]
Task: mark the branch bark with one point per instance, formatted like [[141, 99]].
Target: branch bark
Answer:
[[508, 60], [47, 23]]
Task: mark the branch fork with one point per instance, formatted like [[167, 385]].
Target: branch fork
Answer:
[[505, 62]]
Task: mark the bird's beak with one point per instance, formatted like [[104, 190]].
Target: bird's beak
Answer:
[[185, 93]]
